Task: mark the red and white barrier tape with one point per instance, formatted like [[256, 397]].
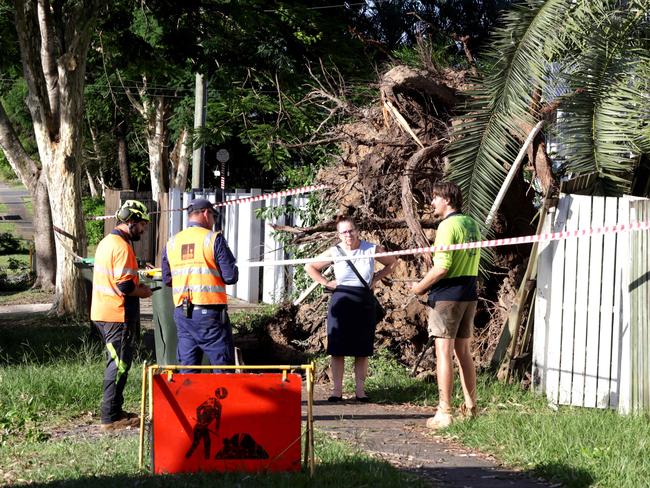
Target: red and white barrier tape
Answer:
[[510, 241], [238, 201], [271, 196]]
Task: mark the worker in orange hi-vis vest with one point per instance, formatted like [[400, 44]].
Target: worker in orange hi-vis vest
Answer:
[[198, 264], [115, 308]]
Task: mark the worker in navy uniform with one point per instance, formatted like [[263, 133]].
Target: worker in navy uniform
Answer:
[[198, 264]]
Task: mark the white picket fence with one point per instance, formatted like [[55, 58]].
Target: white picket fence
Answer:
[[250, 239], [583, 353]]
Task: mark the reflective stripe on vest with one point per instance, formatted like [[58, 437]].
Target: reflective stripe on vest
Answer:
[[195, 273], [115, 263]]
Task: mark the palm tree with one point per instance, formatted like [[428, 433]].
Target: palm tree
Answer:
[[584, 62]]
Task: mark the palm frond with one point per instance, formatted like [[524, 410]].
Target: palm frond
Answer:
[[601, 129], [485, 139]]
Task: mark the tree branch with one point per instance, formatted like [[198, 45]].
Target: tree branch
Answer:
[[48, 52], [38, 101], [22, 164], [407, 195]]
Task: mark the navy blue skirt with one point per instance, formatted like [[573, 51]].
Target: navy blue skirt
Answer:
[[351, 322]]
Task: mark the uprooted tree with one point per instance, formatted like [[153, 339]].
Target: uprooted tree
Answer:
[[588, 74], [389, 156]]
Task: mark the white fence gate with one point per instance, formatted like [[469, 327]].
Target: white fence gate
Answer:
[[582, 352], [250, 239]]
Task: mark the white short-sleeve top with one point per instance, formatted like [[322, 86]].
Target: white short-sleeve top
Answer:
[[366, 267]]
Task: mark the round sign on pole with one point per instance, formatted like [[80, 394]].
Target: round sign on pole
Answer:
[[223, 155]]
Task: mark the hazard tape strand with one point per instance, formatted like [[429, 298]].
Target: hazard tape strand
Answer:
[[271, 196], [239, 201], [508, 241]]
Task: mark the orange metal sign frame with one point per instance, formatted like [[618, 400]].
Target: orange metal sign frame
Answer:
[[226, 422]]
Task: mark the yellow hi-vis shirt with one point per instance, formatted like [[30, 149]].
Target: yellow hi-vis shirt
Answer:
[[195, 273]]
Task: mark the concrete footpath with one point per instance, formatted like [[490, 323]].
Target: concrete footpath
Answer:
[[398, 435]]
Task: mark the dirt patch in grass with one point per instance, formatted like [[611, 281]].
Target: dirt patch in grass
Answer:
[[25, 297]]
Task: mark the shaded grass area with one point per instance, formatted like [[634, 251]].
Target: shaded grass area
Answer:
[[51, 370], [21, 297], [51, 378], [112, 461]]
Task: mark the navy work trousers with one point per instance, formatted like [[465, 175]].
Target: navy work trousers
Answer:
[[118, 339], [207, 331]]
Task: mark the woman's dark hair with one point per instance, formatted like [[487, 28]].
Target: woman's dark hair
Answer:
[[345, 218], [450, 192]]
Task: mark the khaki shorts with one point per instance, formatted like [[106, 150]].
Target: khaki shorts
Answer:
[[451, 320]]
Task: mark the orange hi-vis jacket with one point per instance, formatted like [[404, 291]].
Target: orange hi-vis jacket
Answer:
[[115, 262], [195, 273]]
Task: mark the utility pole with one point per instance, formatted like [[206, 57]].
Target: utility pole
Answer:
[[200, 109]]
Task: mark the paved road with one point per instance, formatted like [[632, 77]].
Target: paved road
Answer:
[[14, 210]]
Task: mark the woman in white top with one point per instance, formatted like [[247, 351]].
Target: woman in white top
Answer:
[[351, 317]]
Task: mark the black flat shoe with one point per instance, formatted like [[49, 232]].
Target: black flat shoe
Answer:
[[335, 399], [364, 399]]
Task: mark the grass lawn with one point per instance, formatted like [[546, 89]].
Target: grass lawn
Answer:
[[578, 447], [5, 259], [8, 227], [50, 375]]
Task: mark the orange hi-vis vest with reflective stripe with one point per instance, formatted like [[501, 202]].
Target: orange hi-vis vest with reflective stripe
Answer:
[[195, 273], [115, 262]]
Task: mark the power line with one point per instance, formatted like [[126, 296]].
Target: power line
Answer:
[[323, 7]]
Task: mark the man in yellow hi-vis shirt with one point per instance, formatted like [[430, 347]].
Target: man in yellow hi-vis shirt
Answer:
[[451, 284], [115, 308]]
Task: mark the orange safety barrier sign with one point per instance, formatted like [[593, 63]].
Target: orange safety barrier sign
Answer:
[[226, 422]]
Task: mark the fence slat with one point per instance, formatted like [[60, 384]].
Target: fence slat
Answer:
[[231, 230], [545, 255], [593, 306], [569, 303], [248, 249], [555, 316], [273, 285], [607, 307], [620, 376], [639, 290], [581, 303]]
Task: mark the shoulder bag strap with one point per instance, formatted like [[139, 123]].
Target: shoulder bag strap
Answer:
[[354, 269]]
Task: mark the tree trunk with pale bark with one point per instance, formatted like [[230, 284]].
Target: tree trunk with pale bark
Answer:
[[34, 180], [180, 161], [122, 158], [156, 133], [53, 47], [154, 110]]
